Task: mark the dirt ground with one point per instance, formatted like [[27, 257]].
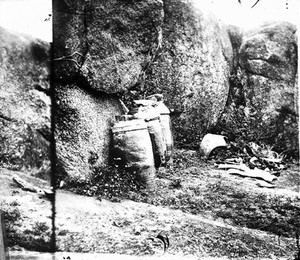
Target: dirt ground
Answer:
[[86, 225]]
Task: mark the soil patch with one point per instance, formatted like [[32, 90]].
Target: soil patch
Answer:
[[205, 212]]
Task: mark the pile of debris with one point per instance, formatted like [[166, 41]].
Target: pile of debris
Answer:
[[248, 160], [27, 186]]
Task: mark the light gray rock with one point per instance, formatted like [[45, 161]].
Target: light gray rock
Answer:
[[100, 49], [148, 47], [24, 102], [191, 69], [105, 43], [83, 123], [268, 62]]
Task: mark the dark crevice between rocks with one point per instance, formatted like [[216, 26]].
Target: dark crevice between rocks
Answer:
[[41, 89], [45, 133], [83, 83], [226, 57], [236, 89], [236, 97], [65, 81], [6, 118], [287, 140], [260, 74], [272, 60], [236, 92], [39, 52]]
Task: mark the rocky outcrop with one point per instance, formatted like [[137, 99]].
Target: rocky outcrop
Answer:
[[191, 69], [236, 38], [268, 60], [266, 76], [146, 47], [105, 43], [271, 52], [83, 137], [24, 102], [106, 50], [100, 49]]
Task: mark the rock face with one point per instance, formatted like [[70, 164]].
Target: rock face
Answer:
[[131, 49], [262, 104], [191, 69], [199, 69], [147, 47], [105, 43], [100, 48], [83, 137], [268, 62], [24, 102]]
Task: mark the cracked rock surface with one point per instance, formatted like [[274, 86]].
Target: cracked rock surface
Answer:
[[147, 47], [268, 62], [132, 49], [105, 43], [24, 102]]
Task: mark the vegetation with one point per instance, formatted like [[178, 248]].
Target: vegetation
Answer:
[[35, 236], [241, 124], [193, 186], [107, 182]]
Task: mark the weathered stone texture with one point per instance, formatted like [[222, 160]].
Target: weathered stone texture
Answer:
[[83, 137], [106, 43], [147, 46], [100, 48], [24, 102], [268, 61], [132, 49], [191, 69]]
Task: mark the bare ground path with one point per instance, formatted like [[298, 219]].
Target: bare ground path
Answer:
[[87, 227]]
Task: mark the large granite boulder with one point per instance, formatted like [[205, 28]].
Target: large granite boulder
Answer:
[[263, 103], [83, 138], [268, 62], [105, 43], [191, 69], [24, 103], [100, 50], [147, 47]]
